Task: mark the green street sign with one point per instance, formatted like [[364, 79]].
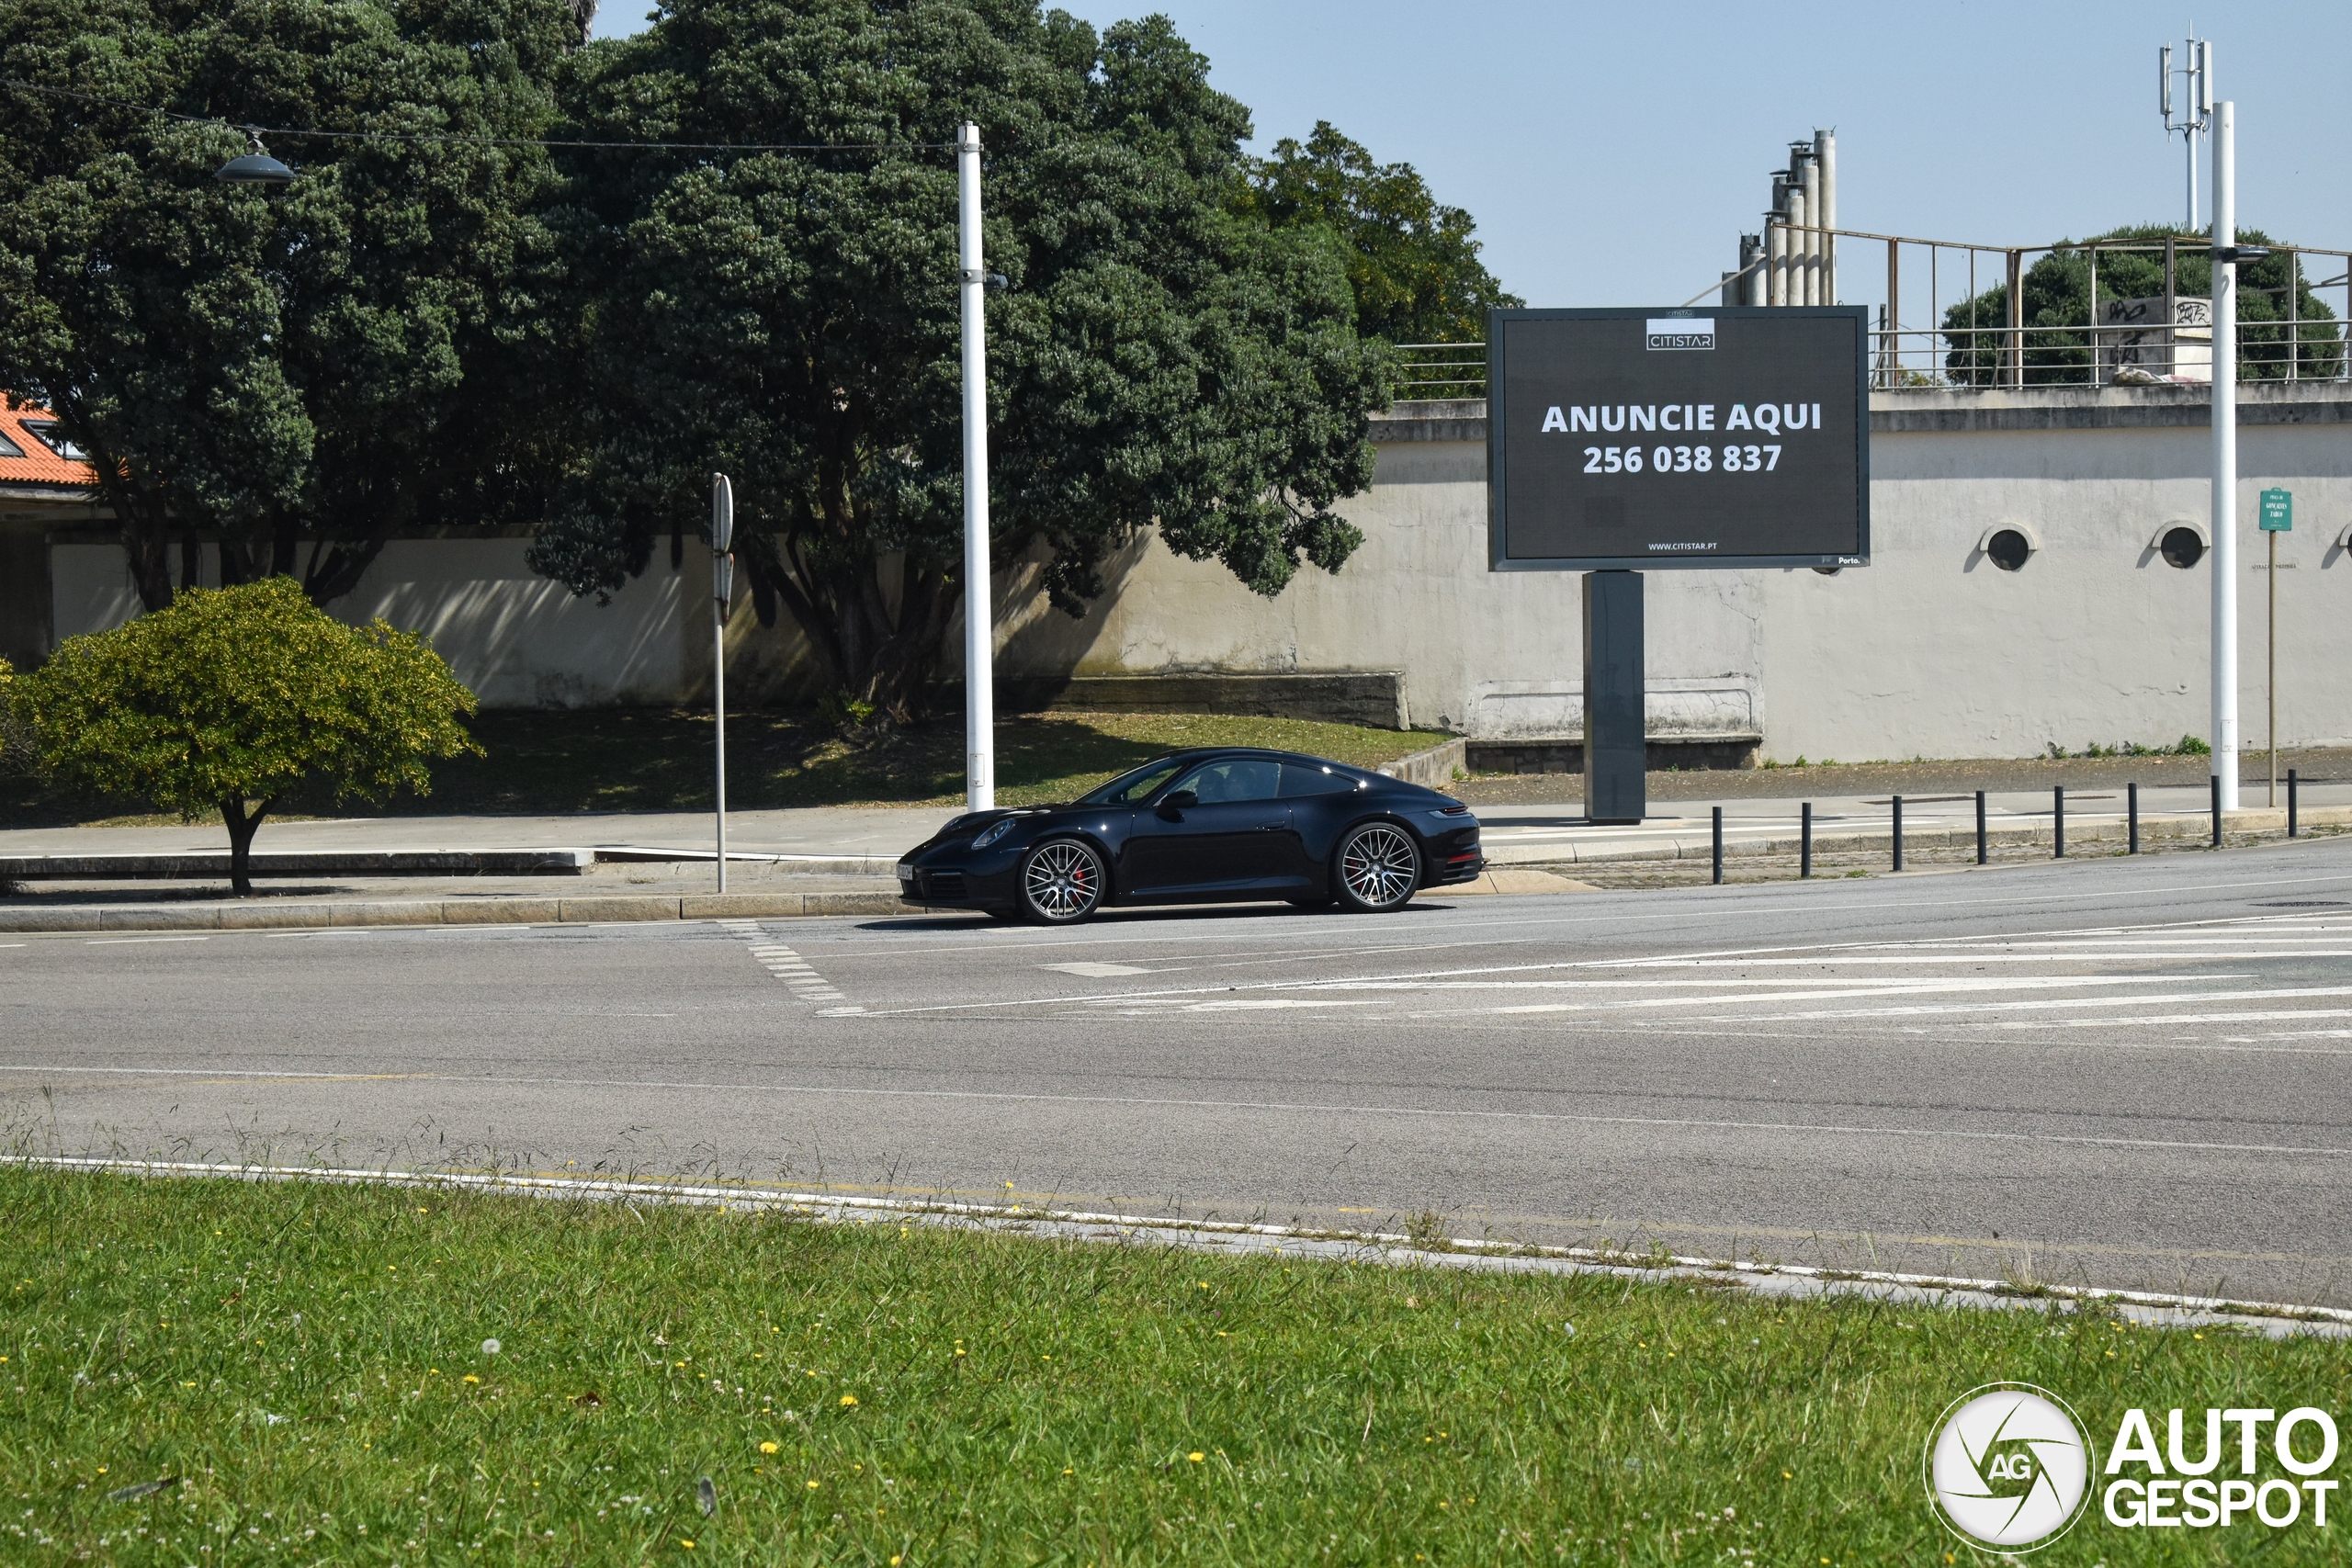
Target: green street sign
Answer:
[[2278, 510]]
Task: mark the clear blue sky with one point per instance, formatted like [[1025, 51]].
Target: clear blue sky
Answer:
[[1612, 154]]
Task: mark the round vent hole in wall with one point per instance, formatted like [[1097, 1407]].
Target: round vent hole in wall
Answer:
[[2007, 548], [2183, 548]]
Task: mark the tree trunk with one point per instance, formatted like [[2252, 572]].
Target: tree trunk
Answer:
[[242, 829], [874, 651]]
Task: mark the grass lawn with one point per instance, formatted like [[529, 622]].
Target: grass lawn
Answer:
[[660, 760], [310, 1362]]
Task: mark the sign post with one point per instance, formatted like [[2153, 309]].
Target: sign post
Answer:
[[1619, 441], [2278, 517], [723, 591]]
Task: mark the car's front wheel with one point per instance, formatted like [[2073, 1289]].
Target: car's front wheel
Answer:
[[1061, 882], [1377, 869]]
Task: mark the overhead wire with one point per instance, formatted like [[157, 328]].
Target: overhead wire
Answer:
[[446, 137]]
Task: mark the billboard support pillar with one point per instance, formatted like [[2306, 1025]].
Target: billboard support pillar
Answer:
[[1616, 742]]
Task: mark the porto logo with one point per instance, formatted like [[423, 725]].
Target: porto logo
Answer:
[[1680, 331], [2007, 1466]]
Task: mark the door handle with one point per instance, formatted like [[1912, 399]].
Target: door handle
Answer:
[[1271, 827]]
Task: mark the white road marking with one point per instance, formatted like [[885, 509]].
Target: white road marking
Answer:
[[784, 964], [119, 941], [1096, 970]]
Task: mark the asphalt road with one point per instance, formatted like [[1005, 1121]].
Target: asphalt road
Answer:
[[2118, 1072]]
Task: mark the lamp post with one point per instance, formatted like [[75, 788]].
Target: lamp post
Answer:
[[2227, 253], [980, 627]]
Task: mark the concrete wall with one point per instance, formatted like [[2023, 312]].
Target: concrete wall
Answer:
[[1931, 650], [1483, 653], [518, 640]]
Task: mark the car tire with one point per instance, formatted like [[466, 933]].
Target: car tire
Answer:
[[1061, 882], [1377, 869]]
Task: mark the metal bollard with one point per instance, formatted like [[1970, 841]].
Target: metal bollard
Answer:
[[1899, 832], [1980, 827], [2217, 810], [1804, 843], [2290, 803], [2058, 822], [1719, 846], [2132, 816]]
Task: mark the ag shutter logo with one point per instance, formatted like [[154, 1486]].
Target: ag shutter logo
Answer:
[[2007, 1466], [1680, 331]]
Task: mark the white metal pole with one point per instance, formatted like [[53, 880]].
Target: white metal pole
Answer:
[[979, 626], [2225, 457]]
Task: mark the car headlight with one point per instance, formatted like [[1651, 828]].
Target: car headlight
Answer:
[[993, 831]]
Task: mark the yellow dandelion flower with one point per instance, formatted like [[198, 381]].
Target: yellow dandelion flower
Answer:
[[848, 1400], [812, 1486], [684, 1543], [470, 1378], [767, 1447], [1196, 1456]]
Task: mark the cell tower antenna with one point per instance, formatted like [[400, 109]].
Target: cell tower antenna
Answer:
[[2198, 112]]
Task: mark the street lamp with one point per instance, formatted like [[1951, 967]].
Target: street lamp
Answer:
[[256, 168]]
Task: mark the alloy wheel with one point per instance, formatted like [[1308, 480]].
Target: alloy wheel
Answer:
[[1061, 881], [1378, 867]]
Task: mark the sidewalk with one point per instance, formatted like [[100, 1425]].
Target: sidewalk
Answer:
[[838, 860]]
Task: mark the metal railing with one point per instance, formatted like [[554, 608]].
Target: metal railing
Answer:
[[1440, 371], [2160, 335], [2136, 340]]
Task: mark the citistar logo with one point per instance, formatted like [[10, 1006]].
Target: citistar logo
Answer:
[[2007, 1466]]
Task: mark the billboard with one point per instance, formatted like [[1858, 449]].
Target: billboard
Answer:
[[1737, 437]]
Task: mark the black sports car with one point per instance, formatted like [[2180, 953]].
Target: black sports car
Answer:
[[1202, 827]]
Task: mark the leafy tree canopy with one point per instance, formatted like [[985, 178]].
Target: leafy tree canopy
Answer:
[[362, 351], [2057, 290], [1412, 262], [232, 696], [791, 317]]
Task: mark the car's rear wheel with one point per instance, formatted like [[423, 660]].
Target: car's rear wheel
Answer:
[[1377, 869], [1061, 882]]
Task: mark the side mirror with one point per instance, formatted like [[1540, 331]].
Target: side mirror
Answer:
[[1181, 800]]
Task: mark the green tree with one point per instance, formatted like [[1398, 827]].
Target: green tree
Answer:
[[791, 318], [298, 373], [1412, 262], [232, 696], [2057, 301]]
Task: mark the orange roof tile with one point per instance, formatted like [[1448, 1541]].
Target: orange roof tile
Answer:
[[26, 459]]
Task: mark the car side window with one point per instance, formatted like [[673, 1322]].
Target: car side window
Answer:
[[1234, 779], [1298, 778]]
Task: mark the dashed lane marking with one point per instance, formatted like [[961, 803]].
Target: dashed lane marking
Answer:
[[799, 975]]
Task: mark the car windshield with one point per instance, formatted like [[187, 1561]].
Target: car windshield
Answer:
[[1132, 786]]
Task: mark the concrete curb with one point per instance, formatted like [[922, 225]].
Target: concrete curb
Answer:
[[2171, 830], [1431, 769], [450, 912], [300, 862]]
